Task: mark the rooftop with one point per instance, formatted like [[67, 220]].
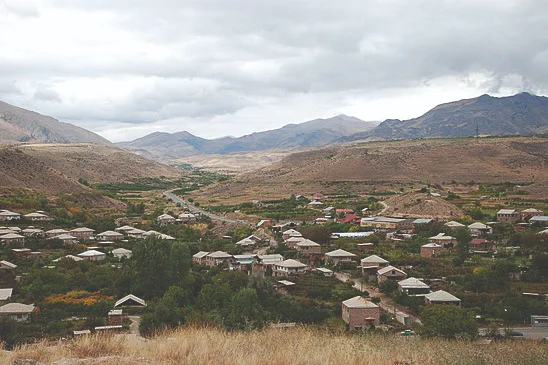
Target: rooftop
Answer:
[[340, 253], [441, 296], [359, 302]]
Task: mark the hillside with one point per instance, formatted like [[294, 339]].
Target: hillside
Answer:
[[20, 125], [276, 347], [521, 114], [368, 166], [55, 168], [319, 132]]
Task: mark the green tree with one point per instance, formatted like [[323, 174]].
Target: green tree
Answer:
[[463, 238], [151, 265], [448, 321], [246, 313]]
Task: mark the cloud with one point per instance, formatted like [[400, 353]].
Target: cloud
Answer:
[[217, 67]]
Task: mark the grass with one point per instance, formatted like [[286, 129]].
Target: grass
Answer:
[[280, 347]]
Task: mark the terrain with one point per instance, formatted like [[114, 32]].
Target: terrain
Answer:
[[307, 346], [319, 132], [18, 125], [54, 169], [375, 166], [521, 114]]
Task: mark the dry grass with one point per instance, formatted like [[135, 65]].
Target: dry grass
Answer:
[[278, 347]]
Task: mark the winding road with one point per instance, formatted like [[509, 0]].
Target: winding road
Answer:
[[168, 194]]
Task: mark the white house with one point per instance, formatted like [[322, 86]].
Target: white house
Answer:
[[121, 252], [17, 311], [93, 255], [289, 267]]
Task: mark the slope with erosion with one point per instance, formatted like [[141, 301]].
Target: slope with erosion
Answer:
[[369, 166]]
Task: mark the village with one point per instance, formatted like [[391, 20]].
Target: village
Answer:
[[358, 268]]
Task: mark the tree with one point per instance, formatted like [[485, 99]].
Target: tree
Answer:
[[317, 234], [246, 312], [151, 263], [448, 321], [388, 286], [463, 238]]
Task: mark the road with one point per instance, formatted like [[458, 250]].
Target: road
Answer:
[[386, 304], [168, 194], [530, 333]]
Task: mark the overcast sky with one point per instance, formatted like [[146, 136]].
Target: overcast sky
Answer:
[[126, 68]]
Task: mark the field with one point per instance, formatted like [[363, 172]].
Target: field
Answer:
[[279, 347]]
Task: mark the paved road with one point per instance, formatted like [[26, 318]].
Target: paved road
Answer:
[[530, 333], [168, 194], [386, 304]]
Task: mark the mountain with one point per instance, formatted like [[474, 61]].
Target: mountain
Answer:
[[54, 169], [520, 114], [20, 125], [319, 132]]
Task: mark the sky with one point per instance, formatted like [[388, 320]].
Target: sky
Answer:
[[127, 68]]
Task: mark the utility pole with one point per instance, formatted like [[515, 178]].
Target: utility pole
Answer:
[[477, 130]]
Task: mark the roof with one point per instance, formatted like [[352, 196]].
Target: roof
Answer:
[[441, 296], [271, 259], [324, 270], [432, 245], [531, 210], [32, 230], [91, 253], [340, 253], [359, 302], [307, 243], [422, 221], [290, 263], [442, 236], [539, 218], [124, 228], [110, 233], [82, 229], [478, 225], [65, 236], [135, 231], [6, 293], [69, 257], [374, 259], [7, 265], [507, 211], [57, 231], [246, 242], [165, 216], [293, 233], [35, 215], [413, 283], [219, 255], [286, 282], [352, 234], [8, 213], [478, 241], [120, 251], [130, 297], [82, 332], [387, 269], [245, 259], [16, 308], [115, 312], [200, 254], [11, 235], [453, 224]]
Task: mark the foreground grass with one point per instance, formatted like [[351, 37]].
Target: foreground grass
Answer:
[[277, 347]]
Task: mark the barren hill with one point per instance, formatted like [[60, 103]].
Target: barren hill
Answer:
[[55, 168], [21, 125], [360, 168], [420, 205]]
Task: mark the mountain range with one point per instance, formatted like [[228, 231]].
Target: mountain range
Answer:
[[314, 133], [21, 125]]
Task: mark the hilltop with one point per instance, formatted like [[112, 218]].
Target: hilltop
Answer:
[[274, 347], [20, 125], [314, 133], [367, 166], [55, 168], [521, 114]]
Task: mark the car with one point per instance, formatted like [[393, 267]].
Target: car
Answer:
[[407, 333], [514, 333]]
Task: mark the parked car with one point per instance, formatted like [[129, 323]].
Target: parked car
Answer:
[[407, 333]]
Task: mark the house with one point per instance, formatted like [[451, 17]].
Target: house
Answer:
[[248, 241], [367, 246], [67, 239], [358, 312], [291, 233], [115, 317], [5, 295], [285, 286], [442, 239], [130, 300], [186, 218], [292, 241], [121, 252], [386, 223], [453, 224], [55, 232], [69, 257], [82, 233], [539, 219], [6, 215], [315, 204], [508, 216], [420, 221], [218, 258], [329, 210], [157, 235], [12, 239], [110, 236], [165, 219], [309, 247], [135, 233], [32, 232], [244, 262], [21, 252], [124, 229], [200, 257], [479, 229], [17, 311], [390, 272], [539, 321], [431, 250], [264, 223], [413, 286], [289, 267], [7, 266], [373, 263], [340, 257], [480, 244], [92, 255], [37, 217], [530, 213], [264, 264], [325, 272], [441, 297]]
